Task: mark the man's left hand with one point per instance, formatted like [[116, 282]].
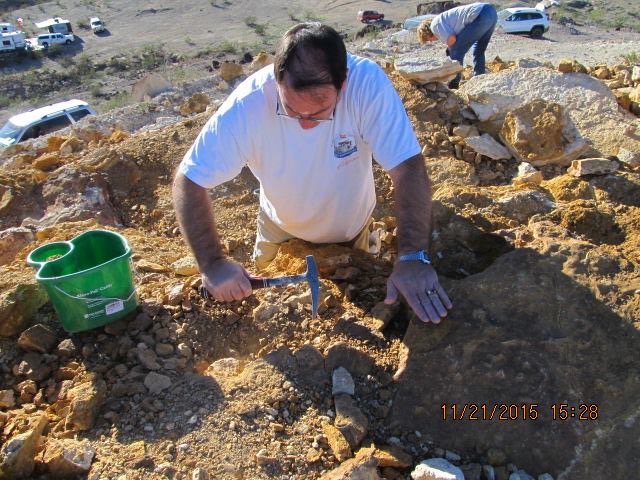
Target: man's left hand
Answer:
[[418, 283]]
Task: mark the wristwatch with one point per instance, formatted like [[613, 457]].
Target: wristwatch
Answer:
[[420, 256]]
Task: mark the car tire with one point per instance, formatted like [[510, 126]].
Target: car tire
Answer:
[[68, 42], [45, 44], [537, 32]]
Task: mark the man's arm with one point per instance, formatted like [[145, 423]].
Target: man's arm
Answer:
[[416, 281], [225, 279]]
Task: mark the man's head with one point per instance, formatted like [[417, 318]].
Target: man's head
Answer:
[[310, 67], [311, 55], [425, 34]]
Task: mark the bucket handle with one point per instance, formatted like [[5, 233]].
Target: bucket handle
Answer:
[[87, 300]]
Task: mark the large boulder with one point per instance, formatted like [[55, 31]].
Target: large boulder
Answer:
[[589, 103], [523, 339]]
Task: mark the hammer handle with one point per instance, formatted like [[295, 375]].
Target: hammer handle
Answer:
[[272, 282]]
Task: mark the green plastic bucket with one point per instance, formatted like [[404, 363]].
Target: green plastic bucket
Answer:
[[89, 278]]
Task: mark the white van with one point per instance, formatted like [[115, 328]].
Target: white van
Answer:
[[42, 121]]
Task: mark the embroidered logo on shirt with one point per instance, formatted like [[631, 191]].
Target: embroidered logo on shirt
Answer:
[[344, 145]]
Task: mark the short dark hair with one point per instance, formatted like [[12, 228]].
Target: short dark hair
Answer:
[[311, 55]]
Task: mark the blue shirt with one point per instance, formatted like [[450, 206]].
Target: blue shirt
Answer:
[[453, 21]]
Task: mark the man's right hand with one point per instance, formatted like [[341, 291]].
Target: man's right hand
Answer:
[[226, 280]]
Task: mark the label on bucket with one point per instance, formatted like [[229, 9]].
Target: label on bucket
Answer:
[[114, 307]]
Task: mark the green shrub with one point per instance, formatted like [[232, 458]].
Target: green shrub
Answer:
[[632, 58], [119, 100], [83, 24]]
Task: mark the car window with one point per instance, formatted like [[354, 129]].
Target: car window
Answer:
[[53, 124], [6, 43], [536, 16], [33, 131], [79, 114]]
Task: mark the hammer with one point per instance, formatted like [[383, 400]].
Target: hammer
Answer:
[[311, 276]]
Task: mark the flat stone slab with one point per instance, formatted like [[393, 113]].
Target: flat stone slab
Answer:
[[592, 166], [424, 68]]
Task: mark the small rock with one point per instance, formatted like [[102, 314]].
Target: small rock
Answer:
[[341, 354], [527, 173], [230, 71], [186, 266], [85, 402], [381, 314], [425, 68], [147, 266], [436, 469], [486, 145], [545, 476], [199, 474], [466, 131], [7, 399], [175, 295], [66, 458], [148, 357], [264, 457], [184, 350], [33, 367], [472, 471], [265, 311], [38, 338], [156, 382], [337, 442], [592, 166], [66, 348], [350, 420], [628, 157], [342, 382], [164, 349]]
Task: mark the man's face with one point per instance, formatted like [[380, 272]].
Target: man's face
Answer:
[[309, 107]]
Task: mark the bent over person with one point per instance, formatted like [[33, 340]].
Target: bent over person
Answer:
[[307, 127], [460, 29]]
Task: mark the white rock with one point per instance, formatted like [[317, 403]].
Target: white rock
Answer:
[[423, 68], [545, 476], [156, 382], [342, 382], [486, 145], [265, 311], [527, 173], [592, 166], [437, 469], [635, 73], [630, 158], [466, 131], [483, 111]]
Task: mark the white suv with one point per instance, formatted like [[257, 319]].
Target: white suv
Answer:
[[47, 39], [523, 20], [41, 121], [97, 25]]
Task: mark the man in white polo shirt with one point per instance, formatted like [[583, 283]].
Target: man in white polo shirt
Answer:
[[307, 127]]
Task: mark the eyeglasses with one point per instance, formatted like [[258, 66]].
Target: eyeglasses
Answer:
[[280, 111]]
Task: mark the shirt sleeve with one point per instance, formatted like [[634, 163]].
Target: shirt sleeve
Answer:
[[215, 157], [385, 125]]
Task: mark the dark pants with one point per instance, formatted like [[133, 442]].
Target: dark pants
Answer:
[[475, 36]]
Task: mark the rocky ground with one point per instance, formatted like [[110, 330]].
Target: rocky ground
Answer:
[[536, 233]]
